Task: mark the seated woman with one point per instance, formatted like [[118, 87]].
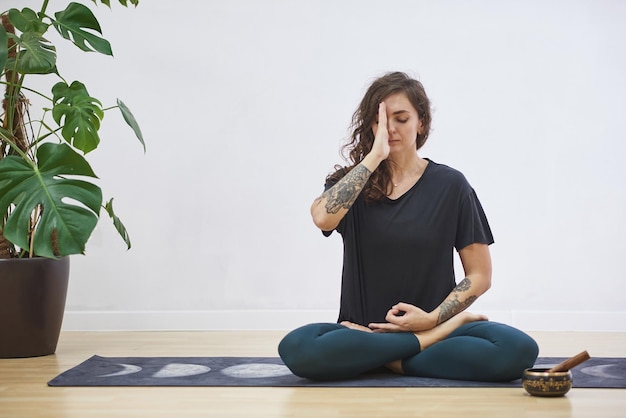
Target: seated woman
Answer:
[[400, 217]]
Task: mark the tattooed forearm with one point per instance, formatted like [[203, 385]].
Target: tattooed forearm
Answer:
[[344, 193], [451, 307], [463, 286]]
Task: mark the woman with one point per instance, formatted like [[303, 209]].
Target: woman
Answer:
[[400, 217]]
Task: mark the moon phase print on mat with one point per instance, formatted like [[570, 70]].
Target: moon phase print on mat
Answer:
[[127, 369], [170, 370], [181, 370], [173, 370], [256, 370], [607, 371]]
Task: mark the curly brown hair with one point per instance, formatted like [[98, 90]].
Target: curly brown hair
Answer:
[[362, 138]]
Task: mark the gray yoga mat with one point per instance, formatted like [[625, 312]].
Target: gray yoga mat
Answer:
[[270, 371]]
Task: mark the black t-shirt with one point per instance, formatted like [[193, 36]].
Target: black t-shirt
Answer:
[[402, 250]]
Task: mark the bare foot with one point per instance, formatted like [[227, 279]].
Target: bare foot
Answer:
[[395, 366], [358, 327]]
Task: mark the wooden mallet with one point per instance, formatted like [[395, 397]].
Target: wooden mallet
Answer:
[[571, 362]]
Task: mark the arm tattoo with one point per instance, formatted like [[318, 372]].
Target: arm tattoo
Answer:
[[451, 307], [463, 286], [343, 194]]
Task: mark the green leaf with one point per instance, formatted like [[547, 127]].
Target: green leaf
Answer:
[[125, 2], [78, 113], [71, 24], [70, 206], [27, 20], [131, 121], [117, 223], [122, 2], [4, 48], [36, 56]]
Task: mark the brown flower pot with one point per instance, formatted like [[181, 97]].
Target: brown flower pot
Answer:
[[32, 302]]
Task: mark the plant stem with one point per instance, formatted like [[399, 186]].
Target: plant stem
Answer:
[[22, 87], [44, 6], [17, 149], [13, 92]]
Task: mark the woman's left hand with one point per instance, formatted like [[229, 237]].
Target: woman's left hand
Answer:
[[404, 317]]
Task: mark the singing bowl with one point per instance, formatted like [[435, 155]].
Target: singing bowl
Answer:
[[540, 382]]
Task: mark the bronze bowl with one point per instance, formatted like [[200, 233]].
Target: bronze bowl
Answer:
[[540, 382]]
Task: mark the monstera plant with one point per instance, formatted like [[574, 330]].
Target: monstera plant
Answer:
[[49, 201]]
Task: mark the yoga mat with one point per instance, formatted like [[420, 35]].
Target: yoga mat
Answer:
[[270, 371]]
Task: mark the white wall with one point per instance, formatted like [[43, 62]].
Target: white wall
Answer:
[[244, 105]]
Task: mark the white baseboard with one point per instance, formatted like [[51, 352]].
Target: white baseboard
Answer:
[[192, 320], [258, 320]]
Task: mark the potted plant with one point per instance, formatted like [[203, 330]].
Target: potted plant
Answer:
[[49, 201]]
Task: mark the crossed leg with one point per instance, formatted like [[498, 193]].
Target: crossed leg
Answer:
[[429, 337], [485, 351], [334, 351]]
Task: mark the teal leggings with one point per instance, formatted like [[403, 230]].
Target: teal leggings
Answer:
[[480, 351]]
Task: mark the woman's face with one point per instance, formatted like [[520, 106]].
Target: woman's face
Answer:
[[403, 123]]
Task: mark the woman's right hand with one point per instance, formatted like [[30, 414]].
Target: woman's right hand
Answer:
[[380, 148], [328, 209]]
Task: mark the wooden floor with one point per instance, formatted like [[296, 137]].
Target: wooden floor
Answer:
[[24, 393]]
